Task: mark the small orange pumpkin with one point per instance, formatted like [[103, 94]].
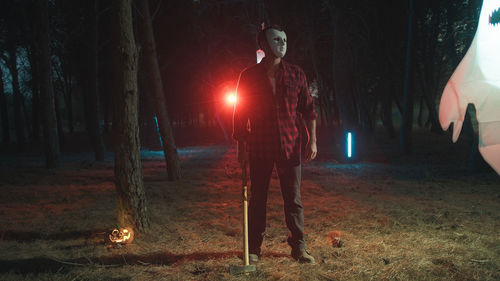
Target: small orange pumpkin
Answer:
[[333, 238]]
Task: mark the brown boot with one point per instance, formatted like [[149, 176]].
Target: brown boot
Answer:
[[301, 255]]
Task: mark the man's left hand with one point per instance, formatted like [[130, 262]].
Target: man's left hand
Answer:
[[311, 151]]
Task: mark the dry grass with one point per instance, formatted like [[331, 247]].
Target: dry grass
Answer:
[[412, 219]]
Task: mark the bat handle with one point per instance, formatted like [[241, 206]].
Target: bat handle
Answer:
[[244, 174], [246, 258], [245, 226]]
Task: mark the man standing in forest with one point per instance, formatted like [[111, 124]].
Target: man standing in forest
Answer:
[[273, 100]]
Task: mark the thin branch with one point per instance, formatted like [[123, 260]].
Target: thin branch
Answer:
[[67, 262], [137, 10], [156, 10], [479, 261], [81, 264]]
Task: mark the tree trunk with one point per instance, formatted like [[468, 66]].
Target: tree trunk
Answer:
[[35, 96], [152, 71], [67, 81], [60, 131], [324, 102], [343, 72], [475, 161], [16, 94], [148, 128], [361, 105], [4, 112], [386, 94], [27, 117], [433, 114], [46, 92], [421, 112], [407, 120], [93, 93], [132, 208], [68, 100]]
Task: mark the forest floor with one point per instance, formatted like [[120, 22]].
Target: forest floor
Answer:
[[420, 217]]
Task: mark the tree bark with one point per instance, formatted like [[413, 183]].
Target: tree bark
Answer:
[[47, 93], [152, 71], [4, 112], [132, 207]]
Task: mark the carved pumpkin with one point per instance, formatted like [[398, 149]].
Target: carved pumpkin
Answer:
[[121, 236]]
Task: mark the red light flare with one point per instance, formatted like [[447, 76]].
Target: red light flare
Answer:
[[231, 98]]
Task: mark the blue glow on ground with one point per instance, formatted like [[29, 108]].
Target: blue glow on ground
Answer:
[[349, 145], [199, 152]]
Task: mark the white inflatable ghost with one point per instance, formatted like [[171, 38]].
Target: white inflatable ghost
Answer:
[[477, 80]]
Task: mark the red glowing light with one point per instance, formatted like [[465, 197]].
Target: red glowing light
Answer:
[[231, 98]]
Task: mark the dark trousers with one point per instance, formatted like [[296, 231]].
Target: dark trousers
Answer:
[[289, 173]]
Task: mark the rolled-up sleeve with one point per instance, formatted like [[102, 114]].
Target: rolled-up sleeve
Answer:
[[305, 104], [240, 114]]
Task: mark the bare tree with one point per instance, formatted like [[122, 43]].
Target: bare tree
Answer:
[[11, 63], [35, 91], [132, 208], [407, 121], [151, 70], [46, 91]]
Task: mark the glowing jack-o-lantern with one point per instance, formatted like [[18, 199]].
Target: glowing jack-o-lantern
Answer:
[[121, 236]]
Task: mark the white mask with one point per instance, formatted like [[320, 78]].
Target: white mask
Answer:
[[277, 42]]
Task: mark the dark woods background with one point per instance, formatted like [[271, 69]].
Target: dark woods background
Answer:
[[353, 52]]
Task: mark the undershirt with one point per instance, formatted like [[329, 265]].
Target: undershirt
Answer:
[[273, 84]]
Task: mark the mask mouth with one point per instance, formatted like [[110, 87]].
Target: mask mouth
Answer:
[[279, 51]]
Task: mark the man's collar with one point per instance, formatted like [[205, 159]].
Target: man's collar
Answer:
[[282, 66]]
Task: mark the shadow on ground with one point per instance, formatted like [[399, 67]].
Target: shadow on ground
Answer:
[[47, 264], [29, 236]]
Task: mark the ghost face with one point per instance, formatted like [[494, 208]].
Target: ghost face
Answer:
[[277, 42]]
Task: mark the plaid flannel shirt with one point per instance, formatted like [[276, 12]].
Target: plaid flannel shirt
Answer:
[[266, 122]]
